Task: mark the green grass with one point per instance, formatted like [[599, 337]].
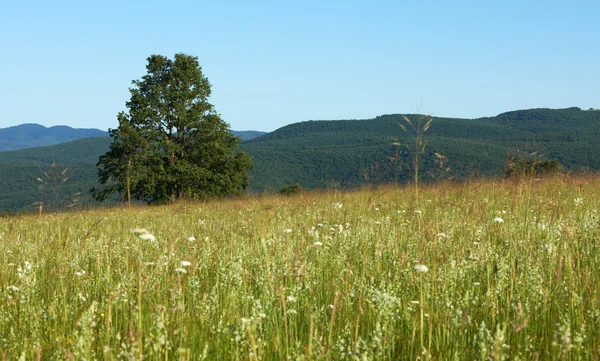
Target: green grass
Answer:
[[317, 276]]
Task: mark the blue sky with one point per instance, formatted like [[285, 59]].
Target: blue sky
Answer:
[[275, 63]]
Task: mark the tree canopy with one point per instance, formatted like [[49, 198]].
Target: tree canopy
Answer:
[[172, 143]]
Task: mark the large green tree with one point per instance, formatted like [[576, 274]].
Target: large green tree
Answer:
[[172, 143]]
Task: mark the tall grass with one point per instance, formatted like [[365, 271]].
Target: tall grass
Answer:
[[512, 274]]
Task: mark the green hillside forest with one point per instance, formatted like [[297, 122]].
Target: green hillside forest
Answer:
[[342, 153]]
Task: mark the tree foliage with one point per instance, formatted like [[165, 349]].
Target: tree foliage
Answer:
[[172, 143]]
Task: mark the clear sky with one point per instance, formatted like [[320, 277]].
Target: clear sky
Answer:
[[280, 62]]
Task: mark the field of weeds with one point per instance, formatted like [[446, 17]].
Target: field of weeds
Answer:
[[475, 271]]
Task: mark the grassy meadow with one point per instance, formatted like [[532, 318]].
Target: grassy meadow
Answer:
[[513, 272]]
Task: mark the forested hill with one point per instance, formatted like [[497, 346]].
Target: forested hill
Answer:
[[27, 175], [350, 152], [35, 135], [341, 153]]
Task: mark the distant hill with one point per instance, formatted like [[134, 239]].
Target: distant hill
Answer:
[[247, 134], [35, 135], [342, 153]]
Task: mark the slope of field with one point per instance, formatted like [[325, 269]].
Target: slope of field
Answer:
[[344, 153], [473, 271], [35, 135]]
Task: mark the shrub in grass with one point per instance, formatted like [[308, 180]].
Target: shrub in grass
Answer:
[[291, 189]]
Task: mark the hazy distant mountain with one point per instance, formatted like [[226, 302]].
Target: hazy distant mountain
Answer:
[[247, 134], [35, 135]]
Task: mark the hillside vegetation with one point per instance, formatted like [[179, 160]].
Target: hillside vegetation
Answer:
[[481, 270], [349, 152], [344, 153], [25, 171]]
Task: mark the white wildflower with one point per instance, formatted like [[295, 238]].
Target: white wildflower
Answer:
[[80, 273], [291, 299], [318, 244], [417, 212], [287, 230], [180, 270], [191, 239], [498, 220], [147, 237], [442, 235], [420, 268], [338, 205], [186, 263], [291, 312], [139, 231], [13, 288]]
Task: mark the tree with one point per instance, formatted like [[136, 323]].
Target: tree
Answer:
[[171, 143]]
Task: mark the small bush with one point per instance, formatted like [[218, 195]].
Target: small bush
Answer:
[[516, 167], [291, 189]]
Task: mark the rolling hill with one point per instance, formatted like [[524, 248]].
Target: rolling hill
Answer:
[[342, 153]]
